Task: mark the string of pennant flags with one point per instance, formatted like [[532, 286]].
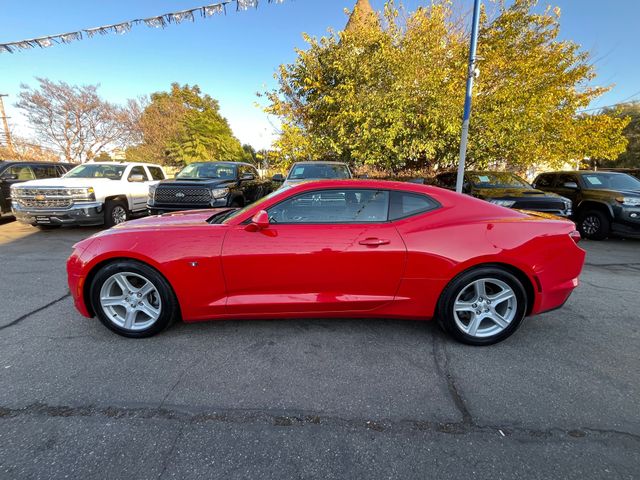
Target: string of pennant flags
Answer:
[[160, 21]]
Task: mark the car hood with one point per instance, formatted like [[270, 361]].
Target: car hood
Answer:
[[616, 193], [513, 193], [175, 219], [206, 182], [67, 182]]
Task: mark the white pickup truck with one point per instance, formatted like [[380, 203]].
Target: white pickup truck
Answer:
[[93, 193]]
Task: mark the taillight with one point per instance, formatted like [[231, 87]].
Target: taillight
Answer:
[[575, 235]]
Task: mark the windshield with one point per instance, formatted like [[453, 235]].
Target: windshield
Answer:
[[497, 180], [306, 171], [112, 172], [197, 171], [224, 216], [611, 181]]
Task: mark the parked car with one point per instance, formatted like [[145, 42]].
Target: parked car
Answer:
[[306, 171], [350, 248], [209, 185], [93, 193], [14, 172], [604, 202], [507, 190]]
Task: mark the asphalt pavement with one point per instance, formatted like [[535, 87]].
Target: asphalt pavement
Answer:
[[315, 398]]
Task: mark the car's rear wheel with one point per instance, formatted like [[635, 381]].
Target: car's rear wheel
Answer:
[[483, 306], [115, 213], [133, 299], [594, 225]]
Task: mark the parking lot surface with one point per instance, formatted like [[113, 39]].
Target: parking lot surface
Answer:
[[315, 398]]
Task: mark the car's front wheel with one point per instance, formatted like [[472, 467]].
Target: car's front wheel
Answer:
[[115, 213], [133, 299], [483, 306], [594, 225]]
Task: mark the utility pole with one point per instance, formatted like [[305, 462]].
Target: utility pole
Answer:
[[467, 102], [7, 133]]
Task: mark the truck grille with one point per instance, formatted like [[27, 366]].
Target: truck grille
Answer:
[[541, 205], [183, 195], [43, 198]]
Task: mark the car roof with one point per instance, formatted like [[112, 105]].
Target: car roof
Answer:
[[221, 162], [318, 162], [582, 172], [121, 163]]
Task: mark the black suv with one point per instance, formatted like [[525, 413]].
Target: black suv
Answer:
[[209, 185], [604, 202], [12, 172], [507, 190]]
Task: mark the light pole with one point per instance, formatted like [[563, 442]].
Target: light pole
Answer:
[[467, 101]]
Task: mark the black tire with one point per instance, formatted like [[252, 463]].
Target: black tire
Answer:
[[594, 225], [447, 316], [113, 210], [169, 308], [236, 204]]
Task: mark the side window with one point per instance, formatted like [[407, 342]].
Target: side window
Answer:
[[21, 172], [156, 173], [255, 172], [447, 180], [565, 178], [405, 204], [45, 171], [333, 206], [544, 181], [138, 170]]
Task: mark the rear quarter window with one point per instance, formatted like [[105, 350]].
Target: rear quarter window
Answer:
[[407, 204]]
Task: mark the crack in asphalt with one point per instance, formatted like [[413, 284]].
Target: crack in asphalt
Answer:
[[33, 312], [301, 419], [444, 371]]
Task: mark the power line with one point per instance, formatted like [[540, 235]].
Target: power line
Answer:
[[622, 102]]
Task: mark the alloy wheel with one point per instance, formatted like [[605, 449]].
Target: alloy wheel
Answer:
[[118, 214], [591, 224], [485, 307], [130, 301]]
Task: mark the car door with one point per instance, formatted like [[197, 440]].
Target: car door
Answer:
[[567, 185], [139, 190], [329, 250]]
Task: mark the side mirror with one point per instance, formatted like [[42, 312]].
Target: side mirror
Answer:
[[247, 176], [136, 177], [571, 185], [260, 221], [466, 187], [278, 177]]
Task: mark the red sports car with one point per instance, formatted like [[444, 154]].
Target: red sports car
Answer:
[[348, 248]]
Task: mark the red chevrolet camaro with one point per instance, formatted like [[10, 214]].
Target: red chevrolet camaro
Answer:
[[349, 248]]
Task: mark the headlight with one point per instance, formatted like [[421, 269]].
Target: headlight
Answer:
[[218, 193], [503, 203], [87, 193], [629, 201], [152, 192]]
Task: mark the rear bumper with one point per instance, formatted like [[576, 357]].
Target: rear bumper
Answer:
[[87, 214]]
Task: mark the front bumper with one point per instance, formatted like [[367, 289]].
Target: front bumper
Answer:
[[626, 221], [159, 209], [85, 214]]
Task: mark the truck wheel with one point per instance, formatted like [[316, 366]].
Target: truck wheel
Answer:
[[115, 212], [594, 225]]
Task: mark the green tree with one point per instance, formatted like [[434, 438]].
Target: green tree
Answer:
[[631, 112], [183, 126], [389, 94]]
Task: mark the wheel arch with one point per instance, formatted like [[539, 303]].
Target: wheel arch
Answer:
[[587, 205], [100, 264], [526, 280], [118, 198]]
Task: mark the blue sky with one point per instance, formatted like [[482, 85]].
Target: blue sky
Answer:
[[232, 57]]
